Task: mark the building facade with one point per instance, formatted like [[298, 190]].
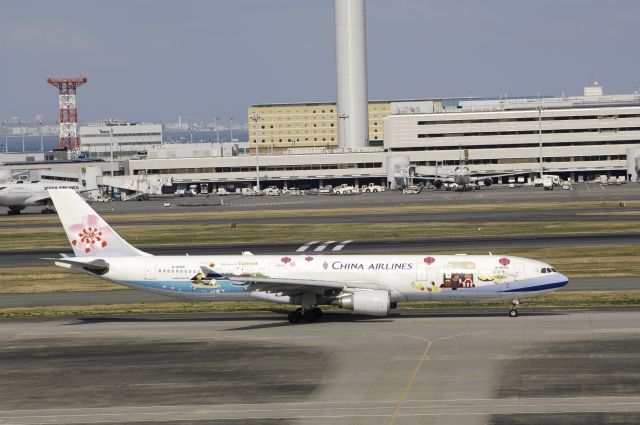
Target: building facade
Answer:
[[127, 139], [579, 137], [306, 125]]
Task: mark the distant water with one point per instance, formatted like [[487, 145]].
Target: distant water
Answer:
[[32, 143]]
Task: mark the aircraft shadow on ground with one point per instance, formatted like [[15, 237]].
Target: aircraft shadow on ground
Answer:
[[277, 318]]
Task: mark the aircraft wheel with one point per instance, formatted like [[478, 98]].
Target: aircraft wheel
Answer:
[[295, 316], [312, 314], [513, 313]]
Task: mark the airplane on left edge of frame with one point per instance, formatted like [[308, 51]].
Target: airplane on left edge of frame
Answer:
[[364, 284], [19, 195]]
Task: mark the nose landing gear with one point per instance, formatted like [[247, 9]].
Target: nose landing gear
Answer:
[[514, 308]]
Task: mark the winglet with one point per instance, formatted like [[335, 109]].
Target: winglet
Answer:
[[88, 233]]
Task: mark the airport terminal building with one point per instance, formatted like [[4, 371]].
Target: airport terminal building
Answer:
[[579, 137]]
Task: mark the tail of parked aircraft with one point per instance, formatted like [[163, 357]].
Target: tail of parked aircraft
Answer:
[[88, 233]]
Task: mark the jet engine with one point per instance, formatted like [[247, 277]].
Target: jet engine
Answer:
[[437, 183], [488, 182], [371, 302]]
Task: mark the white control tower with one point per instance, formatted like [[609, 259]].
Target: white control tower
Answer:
[[351, 68]]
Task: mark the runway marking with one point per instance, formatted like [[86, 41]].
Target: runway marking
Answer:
[[323, 246], [306, 246], [409, 384], [341, 245]]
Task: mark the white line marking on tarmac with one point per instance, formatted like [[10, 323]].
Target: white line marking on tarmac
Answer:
[[306, 246], [323, 246], [341, 245]]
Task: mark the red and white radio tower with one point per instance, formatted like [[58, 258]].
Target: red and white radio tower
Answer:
[[69, 137]]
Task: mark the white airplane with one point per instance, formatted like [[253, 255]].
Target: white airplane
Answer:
[[365, 284], [461, 179], [18, 195]]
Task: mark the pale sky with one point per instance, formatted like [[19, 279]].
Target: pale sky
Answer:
[[151, 60]]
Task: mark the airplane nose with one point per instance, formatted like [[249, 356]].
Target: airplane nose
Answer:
[[563, 278]]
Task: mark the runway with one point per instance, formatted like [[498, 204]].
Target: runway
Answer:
[[545, 367], [30, 257]]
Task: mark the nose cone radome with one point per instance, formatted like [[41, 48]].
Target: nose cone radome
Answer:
[[562, 280]]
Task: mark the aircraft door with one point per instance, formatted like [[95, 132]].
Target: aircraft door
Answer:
[[150, 271]]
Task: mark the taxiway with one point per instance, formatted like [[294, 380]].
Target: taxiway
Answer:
[[545, 367]]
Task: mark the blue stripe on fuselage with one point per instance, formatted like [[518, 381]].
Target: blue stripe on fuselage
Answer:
[[539, 287], [182, 286]]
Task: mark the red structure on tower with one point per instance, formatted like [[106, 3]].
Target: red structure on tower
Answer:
[[69, 137]]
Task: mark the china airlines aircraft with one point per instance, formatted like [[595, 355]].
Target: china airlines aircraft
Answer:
[[365, 284]]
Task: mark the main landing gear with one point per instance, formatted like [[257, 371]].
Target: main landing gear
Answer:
[[308, 315], [514, 308]]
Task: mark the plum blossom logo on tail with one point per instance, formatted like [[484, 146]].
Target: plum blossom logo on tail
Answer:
[[90, 235]]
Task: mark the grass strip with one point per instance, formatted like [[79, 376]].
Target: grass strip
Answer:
[[187, 233], [217, 212]]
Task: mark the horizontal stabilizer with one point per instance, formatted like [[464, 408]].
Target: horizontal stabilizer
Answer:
[[97, 266]]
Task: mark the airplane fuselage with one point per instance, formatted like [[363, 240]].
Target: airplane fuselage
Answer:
[[406, 277], [18, 196]]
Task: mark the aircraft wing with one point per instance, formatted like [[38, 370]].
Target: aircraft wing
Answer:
[[445, 178], [41, 198], [298, 286], [477, 176]]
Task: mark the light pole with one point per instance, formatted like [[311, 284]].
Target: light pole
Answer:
[[111, 123], [255, 118], [231, 127], [41, 141], [22, 131], [540, 136], [343, 130], [6, 136], [217, 133]]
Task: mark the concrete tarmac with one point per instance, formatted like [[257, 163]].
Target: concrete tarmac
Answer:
[[611, 195], [547, 367]]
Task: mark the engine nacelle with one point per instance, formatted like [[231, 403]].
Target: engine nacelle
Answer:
[[437, 183], [371, 302], [488, 182]]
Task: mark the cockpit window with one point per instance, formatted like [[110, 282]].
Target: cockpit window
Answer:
[[547, 270], [543, 270]]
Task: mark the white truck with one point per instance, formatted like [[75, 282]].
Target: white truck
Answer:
[[371, 188], [547, 182], [272, 191], [344, 189], [412, 189], [325, 190], [222, 191]]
